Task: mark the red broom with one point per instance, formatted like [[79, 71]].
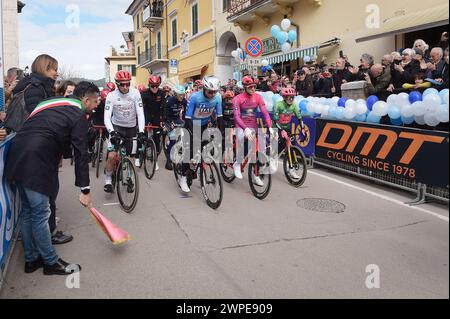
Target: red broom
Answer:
[[114, 233]]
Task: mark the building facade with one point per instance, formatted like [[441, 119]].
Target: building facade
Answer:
[[174, 39], [122, 58], [9, 20]]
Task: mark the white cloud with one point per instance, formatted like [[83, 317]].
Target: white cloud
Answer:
[[82, 49]]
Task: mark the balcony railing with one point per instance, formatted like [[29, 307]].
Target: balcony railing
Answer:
[[237, 7], [155, 53], [153, 15]]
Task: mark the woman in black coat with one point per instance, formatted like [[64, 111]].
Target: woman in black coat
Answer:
[[406, 70]]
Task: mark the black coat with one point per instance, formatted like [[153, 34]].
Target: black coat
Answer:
[[154, 106], [306, 87], [41, 88], [37, 149], [339, 76], [410, 70]]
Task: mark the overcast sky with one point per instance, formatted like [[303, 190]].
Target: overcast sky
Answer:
[[46, 27]]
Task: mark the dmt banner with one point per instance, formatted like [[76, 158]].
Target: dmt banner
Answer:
[[419, 155], [9, 206]]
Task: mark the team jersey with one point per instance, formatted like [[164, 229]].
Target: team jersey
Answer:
[[201, 108], [174, 109], [228, 114], [245, 107], [123, 109], [283, 113]]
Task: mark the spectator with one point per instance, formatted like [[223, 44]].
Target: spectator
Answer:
[[363, 70], [405, 71], [444, 75], [436, 64], [262, 85], [420, 45], [387, 60], [378, 79], [66, 88], [13, 77], [420, 58], [341, 75], [443, 43], [324, 85], [304, 85], [275, 85]]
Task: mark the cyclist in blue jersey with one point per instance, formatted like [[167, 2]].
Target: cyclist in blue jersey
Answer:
[[201, 107]]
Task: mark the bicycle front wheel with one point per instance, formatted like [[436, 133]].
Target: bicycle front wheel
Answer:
[[259, 176], [150, 159], [127, 185], [294, 166], [211, 184]]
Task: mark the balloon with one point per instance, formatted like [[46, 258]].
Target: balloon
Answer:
[[392, 99], [361, 108], [285, 24], [269, 67], [335, 100], [311, 107], [349, 113], [415, 96], [407, 112], [263, 69], [264, 62], [380, 108], [350, 103], [419, 120], [407, 120], [303, 104], [276, 98], [342, 101], [431, 120], [325, 110], [332, 111], [361, 118], [234, 53], [394, 112], [418, 109], [373, 118], [292, 36], [442, 114], [282, 37], [444, 96], [319, 108], [307, 59], [371, 100], [396, 121], [275, 30], [286, 47], [340, 113], [403, 98], [432, 100], [430, 91]]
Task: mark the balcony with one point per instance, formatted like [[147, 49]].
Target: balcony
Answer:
[[156, 55], [244, 12], [153, 15]]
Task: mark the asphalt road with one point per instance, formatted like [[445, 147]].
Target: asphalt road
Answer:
[[248, 248]]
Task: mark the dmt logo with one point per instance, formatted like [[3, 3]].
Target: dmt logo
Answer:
[[417, 140]]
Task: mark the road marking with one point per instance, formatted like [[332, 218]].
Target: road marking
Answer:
[[390, 199], [111, 204]]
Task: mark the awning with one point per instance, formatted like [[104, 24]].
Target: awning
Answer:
[[293, 55], [424, 19], [193, 71]]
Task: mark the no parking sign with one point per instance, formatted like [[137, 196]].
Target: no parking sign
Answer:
[[254, 47]]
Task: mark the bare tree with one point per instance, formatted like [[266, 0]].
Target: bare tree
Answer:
[[67, 73]]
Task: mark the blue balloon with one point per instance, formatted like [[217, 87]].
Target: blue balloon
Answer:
[[396, 121], [340, 113], [371, 100], [342, 101], [269, 68], [372, 118], [281, 37], [430, 91], [302, 106], [407, 120], [394, 112], [361, 118], [442, 94], [275, 30], [415, 96], [292, 36], [263, 69]]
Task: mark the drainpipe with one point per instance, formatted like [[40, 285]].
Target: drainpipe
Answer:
[[166, 22]]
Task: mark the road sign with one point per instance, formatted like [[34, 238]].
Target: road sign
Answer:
[[254, 47], [173, 66], [254, 62]]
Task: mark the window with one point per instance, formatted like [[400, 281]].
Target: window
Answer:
[[226, 5], [139, 55], [158, 45], [174, 32], [194, 17], [127, 67], [138, 16]]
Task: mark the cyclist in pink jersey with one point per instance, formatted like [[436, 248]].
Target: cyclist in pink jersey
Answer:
[[245, 106]]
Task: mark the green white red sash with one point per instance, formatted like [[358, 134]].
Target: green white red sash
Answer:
[[57, 102]]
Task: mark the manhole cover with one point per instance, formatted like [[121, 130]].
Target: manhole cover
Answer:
[[321, 205]]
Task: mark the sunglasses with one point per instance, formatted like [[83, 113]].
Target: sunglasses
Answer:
[[154, 86], [251, 87], [124, 85], [210, 92]]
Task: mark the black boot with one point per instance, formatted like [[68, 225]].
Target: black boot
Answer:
[[32, 266], [61, 268], [169, 166]]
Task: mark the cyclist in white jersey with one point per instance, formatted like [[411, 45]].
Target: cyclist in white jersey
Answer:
[[123, 112]]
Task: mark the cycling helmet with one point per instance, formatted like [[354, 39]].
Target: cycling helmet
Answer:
[[211, 83], [228, 95], [110, 86], [288, 92], [198, 83], [104, 93], [141, 88], [248, 80], [179, 90], [154, 80], [123, 76]]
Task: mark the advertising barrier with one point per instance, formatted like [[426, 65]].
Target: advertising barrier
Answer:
[[421, 156]]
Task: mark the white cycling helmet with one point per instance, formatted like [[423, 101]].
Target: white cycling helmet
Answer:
[[211, 83]]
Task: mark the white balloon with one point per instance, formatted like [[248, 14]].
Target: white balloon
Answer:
[[431, 120], [393, 99], [407, 111], [311, 107], [403, 98], [418, 109], [234, 53], [285, 24], [318, 108], [361, 107], [442, 114], [326, 110], [286, 47], [380, 108], [350, 103], [432, 100], [419, 119], [264, 62], [349, 113]]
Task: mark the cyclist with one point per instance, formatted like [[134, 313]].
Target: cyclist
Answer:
[[154, 100], [245, 106], [97, 117], [141, 88], [227, 107], [198, 85], [110, 86], [122, 107], [283, 113], [201, 107], [173, 116]]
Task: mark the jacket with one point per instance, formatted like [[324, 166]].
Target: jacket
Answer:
[[41, 88]]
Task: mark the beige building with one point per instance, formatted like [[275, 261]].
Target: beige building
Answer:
[[9, 18], [326, 28], [122, 58]]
